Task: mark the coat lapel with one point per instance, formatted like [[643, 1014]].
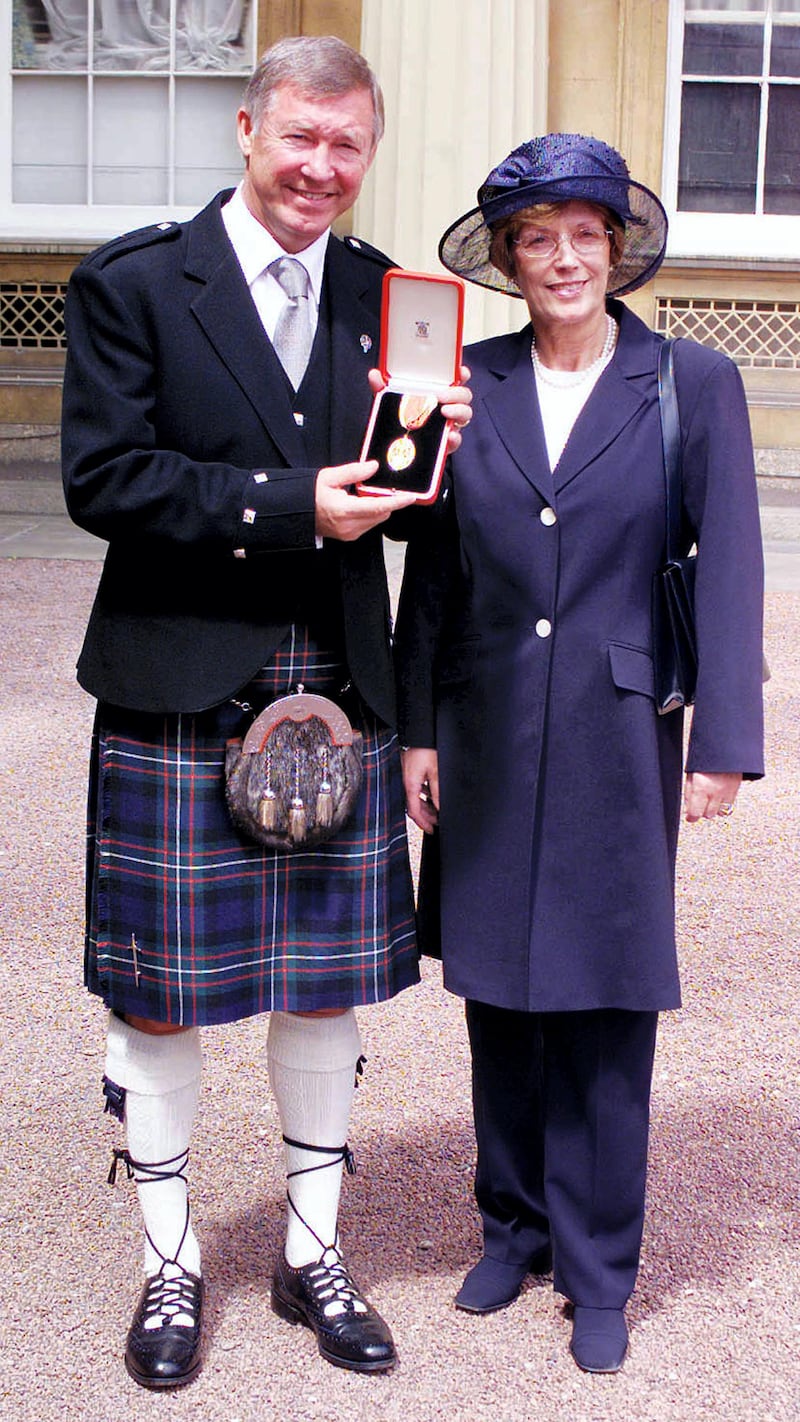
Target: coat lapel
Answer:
[[514, 409], [613, 403], [225, 310], [513, 406], [354, 326]]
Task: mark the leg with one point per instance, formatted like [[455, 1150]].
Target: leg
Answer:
[[509, 1184], [152, 1079], [312, 1067], [598, 1069]]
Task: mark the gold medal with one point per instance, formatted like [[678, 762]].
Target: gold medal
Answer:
[[412, 412], [401, 453]]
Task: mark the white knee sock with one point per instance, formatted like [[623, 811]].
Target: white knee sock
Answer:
[[312, 1067], [161, 1077]]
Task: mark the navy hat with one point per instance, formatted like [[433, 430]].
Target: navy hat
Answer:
[[560, 167]]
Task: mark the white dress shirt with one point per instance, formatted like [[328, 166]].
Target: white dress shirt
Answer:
[[256, 248]]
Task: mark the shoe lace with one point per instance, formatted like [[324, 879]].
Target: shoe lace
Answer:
[[171, 1299], [335, 1291], [339, 1155], [171, 1289]]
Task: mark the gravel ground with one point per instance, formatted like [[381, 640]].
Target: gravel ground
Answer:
[[715, 1319]]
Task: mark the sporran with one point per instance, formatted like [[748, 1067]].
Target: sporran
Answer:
[[293, 781]]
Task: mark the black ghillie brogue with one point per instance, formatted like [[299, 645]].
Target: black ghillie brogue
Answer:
[[323, 1296], [161, 1353]]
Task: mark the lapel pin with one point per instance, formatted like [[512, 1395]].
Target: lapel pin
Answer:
[[366, 343]]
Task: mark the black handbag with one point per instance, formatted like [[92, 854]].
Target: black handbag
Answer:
[[294, 780], [674, 634]]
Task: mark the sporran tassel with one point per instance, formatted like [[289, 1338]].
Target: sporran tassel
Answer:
[[268, 804], [268, 810], [324, 806], [297, 811], [297, 820]]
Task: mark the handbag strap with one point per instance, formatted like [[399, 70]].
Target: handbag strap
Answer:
[[671, 440]]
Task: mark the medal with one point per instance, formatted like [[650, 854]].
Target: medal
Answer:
[[401, 453], [412, 412]]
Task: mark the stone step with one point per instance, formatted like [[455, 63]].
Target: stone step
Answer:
[[35, 496]]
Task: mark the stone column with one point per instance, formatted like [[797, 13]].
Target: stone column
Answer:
[[465, 81]]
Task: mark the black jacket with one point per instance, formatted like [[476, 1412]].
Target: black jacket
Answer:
[[175, 407]]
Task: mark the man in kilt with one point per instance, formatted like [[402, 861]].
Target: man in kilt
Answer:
[[213, 452]]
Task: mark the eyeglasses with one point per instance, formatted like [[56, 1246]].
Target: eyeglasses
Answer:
[[541, 245]]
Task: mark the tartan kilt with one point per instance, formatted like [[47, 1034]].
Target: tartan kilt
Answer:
[[188, 922]]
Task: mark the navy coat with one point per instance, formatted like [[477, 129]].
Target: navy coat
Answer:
[[524, 645], [180, 447]]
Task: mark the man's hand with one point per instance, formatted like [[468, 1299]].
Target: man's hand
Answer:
[[342, 515]]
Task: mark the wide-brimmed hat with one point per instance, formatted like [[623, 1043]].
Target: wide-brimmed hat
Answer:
[[560, 167]]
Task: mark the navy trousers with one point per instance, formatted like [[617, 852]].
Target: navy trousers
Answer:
[[562, 1113]]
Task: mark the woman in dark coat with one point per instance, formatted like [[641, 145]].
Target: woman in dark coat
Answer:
[[537, 763]]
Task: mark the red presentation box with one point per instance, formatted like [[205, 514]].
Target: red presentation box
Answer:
[[422, 318]]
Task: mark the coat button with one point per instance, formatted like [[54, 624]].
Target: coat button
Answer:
[[543, 628], [548, 517]]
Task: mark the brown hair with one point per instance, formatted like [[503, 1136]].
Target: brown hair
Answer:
[[505, 233], [314, 64]]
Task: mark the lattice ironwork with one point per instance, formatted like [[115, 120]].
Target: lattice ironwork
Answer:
[[759, 335], [32, 315]]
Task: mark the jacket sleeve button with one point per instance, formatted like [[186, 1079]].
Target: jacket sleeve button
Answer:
[[543, 628]]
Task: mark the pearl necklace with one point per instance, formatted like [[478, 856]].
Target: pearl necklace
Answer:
[[567, 379]]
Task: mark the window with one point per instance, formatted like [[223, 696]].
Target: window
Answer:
[[122, 105], [733, 126]]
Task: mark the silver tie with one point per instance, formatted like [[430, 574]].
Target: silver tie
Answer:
[[293, 335]]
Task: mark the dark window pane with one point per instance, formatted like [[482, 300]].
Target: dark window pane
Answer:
[[723, 49], [782, 177], [719, 140], [785, 60]]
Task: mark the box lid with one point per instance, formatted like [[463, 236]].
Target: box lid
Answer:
[[422, 317]]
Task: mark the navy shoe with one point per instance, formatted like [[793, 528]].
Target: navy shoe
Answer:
[[599, 1339], [491, 1284], [349, 1332]]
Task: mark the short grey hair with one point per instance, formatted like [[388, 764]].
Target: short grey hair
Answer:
[[314, 64]]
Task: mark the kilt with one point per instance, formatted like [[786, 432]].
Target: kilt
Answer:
[[188, 922]]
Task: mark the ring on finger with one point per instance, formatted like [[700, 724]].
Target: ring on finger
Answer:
[[725, 809]]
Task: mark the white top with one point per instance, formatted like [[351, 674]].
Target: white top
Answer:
[[256, 248], [561, 405]]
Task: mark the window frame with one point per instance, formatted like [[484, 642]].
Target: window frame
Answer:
[[746, 236], [91, 222]]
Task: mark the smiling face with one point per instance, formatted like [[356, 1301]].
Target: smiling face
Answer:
[[306, 161], [565, 289]]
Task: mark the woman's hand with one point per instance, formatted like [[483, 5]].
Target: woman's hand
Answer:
[[706, 796], [456, 406], [421, 781]]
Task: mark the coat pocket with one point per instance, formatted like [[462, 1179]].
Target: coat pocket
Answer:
[[632, 668]]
